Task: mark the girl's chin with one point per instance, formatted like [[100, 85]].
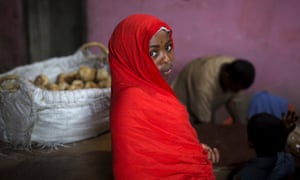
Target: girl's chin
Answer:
[[166, 77]]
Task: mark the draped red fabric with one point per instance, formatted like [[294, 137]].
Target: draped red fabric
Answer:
[[152, 137]]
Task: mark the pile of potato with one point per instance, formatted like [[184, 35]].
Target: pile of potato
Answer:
[[85, 77]]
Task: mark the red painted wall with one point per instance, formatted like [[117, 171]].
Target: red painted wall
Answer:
[[267, 32]]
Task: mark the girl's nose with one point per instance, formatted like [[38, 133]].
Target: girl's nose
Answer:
[[165, 57]]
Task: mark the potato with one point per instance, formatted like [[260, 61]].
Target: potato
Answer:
[[66, 77], [52, 87], [41, 81], [106, 83], [101, 74], [86, 73], [63, 85], [91, 84]]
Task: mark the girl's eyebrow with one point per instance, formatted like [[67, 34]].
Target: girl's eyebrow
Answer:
[[157, 46], [154, 46], [168, 42]]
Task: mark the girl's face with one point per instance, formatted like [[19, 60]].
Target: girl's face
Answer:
[[162, 53]]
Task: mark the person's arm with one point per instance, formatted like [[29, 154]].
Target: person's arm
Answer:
[[213, 153], [202, 94], [237, 107], [201, 107], [290, 119]]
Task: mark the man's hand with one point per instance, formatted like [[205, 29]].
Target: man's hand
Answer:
[[290, 119]]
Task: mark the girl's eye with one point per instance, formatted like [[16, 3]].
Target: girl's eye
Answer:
[[153, 54], [169, 47]]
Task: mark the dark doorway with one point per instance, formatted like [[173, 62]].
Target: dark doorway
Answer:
[[54, 28]]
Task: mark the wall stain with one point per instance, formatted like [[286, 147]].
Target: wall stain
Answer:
[[255, 18], [291, 35]]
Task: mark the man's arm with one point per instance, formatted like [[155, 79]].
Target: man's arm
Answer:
[[237, 107]]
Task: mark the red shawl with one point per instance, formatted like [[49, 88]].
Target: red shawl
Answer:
[[152, 137]]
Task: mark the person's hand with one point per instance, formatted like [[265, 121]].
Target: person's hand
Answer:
[[213, 153], [290, 119]]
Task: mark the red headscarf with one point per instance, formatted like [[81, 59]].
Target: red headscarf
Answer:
[[152, 137]]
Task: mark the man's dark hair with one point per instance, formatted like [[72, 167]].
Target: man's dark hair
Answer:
[[241, 71], [267, 134]]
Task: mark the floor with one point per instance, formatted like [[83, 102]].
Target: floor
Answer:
[[91, 159], [85, 160]]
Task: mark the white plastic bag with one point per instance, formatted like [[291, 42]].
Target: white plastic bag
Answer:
[[29, 114]]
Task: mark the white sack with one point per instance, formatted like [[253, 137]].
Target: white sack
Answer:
[[29, 114]]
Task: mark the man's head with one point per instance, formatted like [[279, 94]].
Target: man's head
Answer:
[[238, 75], [266, 134]]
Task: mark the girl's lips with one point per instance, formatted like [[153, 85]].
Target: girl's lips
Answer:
[[166, 68], [167, 72]]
